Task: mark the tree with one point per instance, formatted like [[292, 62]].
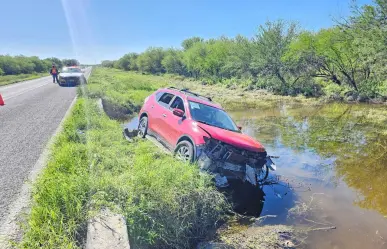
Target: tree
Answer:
[[240, 57], [127, 62], [307, 53], [330, 54], [188, 43], [215, 61], [270, 44], [25, 64], [173, 62], [150, 60], [55, 61], [208, 59], [39, 65], [70, 62], [366, 29], [194, 59], [9, 65], [107, 63]]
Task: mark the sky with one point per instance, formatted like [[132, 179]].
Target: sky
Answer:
[[95, 30]]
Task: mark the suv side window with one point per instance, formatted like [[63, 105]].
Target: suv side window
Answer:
[[178, 103], [165, 99]]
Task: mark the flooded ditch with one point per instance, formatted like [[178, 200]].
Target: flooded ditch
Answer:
[[332, 172]]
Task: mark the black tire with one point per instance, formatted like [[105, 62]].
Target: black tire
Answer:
[[143, 127], [185, 152], [261, 178]]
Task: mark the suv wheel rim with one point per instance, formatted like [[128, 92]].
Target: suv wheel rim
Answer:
[[183, 153], [141, 128]]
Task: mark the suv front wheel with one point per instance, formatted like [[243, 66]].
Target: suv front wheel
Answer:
[[184, 151]]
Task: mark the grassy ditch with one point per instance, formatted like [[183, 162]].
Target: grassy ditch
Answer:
[[167, 204], [128, 90], [10, 79]]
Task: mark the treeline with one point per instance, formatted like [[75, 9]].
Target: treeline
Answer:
[[13, 65], [282, 58]]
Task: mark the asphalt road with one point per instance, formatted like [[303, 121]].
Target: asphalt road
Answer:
[[32, 112]]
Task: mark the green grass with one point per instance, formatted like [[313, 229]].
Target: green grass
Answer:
[[10, 79], [167, 204], [128, 90], [123, 88]]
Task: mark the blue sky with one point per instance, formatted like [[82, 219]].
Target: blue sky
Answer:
[[94, 30]]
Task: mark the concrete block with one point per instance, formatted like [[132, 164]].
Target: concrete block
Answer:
[[107, 230]]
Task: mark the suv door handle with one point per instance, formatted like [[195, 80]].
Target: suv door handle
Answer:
[[164, 115]]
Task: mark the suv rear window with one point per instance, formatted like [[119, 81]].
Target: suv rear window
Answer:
[[165, 98]]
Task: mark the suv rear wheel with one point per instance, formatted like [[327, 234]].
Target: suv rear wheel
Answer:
[[184, 151], [143, 127]]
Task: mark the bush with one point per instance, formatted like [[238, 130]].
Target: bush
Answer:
[[14, 65], [332, 89], [383, 89]]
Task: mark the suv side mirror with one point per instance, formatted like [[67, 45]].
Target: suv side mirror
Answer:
[[178, 112], [239, 127]]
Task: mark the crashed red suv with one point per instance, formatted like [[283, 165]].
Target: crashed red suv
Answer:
[[197, 129]]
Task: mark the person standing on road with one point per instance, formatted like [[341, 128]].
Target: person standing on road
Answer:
[[54, 72]]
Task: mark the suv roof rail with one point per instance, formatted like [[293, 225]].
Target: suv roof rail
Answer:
[[186, 91]]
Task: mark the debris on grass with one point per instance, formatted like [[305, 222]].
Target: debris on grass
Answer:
[[264, 237]]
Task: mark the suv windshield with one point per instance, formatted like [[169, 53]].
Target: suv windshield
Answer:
[[71, 70], [212, 116]]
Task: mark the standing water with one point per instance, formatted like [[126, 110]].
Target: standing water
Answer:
[[332, 172]]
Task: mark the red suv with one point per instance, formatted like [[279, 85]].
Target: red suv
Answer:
[[197, 129]]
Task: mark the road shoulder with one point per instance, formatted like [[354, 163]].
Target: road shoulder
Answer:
[[10, 229]]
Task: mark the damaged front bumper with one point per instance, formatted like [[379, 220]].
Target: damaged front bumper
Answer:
[[226, 163]]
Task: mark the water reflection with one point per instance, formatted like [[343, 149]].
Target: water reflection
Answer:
[[366, 171], [338, 155], [332, 141]]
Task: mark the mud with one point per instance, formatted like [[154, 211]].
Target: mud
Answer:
[[118, 112]]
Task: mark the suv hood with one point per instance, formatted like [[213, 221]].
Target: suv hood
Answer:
[[71, 74], [236, 139]]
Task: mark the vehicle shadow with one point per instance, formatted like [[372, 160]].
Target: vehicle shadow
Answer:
[[250, 200], [245, 198], [68, 85]]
